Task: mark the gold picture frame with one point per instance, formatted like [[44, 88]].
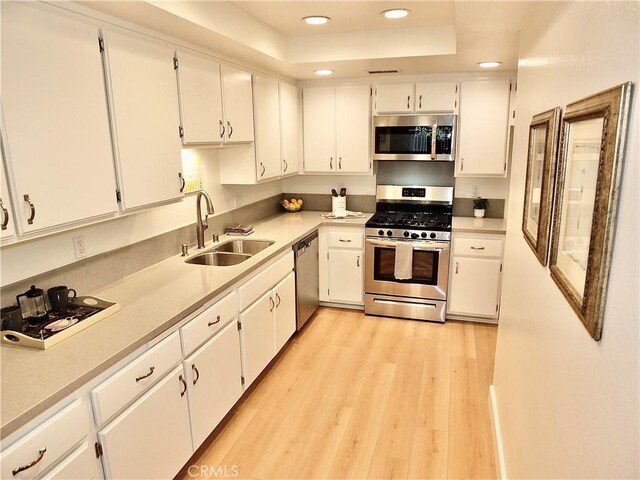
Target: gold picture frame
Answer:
[[593, 142], [544, 132]]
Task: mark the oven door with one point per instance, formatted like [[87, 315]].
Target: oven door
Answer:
[[430, 269]]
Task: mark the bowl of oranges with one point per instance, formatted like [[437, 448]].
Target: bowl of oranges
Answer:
[[292, 206]]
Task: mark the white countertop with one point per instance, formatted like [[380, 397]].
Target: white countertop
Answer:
[[153, 300], [479, 225]]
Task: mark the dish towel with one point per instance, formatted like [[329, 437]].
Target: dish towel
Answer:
[[404, 261]]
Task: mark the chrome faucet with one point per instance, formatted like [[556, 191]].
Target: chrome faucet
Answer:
[[201, 225]]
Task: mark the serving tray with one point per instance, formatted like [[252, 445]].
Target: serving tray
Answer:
[[81, 313]]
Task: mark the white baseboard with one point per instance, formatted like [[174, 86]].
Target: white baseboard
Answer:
[[497, 436]]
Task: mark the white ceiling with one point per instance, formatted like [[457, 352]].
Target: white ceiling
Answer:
[[437, 37]]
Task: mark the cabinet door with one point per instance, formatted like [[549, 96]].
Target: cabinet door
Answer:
[[346, 269], [57, 126], [394, 98], [152, 438], [6, 211], [290, 128], [257, 337], [319, 129], [484, 111], [353, 127], [144, 105], [78, 465], [474, 286], [267, 127], [285, 311], [237, 104], [437, 97], [200, 98], [213, 374]]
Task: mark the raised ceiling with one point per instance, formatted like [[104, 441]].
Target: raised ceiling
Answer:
[[437, 37]]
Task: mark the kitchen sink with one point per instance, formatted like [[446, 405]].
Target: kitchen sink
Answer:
[[219, 259], [248, 247]]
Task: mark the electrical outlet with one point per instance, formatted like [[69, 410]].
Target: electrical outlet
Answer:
[[79, 247], [476, 190]]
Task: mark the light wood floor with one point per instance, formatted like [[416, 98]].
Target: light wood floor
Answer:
[[364, 397]]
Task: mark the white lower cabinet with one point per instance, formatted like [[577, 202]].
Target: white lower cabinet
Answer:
[[152, 438], [475, 276], [213, 374], [342, 265], [285, 310], [258, 337], [79, 465]]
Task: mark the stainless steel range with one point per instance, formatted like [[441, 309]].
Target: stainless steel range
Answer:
[[421, 216]]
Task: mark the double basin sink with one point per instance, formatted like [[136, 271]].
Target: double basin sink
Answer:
[[229, 253]]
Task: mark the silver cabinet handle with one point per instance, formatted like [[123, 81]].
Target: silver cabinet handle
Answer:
[[344, 241], [273, 304], [151, 369], [358, 261], [408, 100], [340, 163], [461, 164], [183, 182], [210, 324], [263, 169], [32, 207], [230, 128], [184, 384], [279, 300], [477, 248], [284, 160], [420, 102], [5, 215], [196, 372], [221, 129], [457, 266], [41, 453], [330, 163]]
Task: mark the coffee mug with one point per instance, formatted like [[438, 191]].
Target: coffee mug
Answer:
[[11, 318], [59, 297]]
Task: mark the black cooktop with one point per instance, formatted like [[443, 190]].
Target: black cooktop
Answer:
[[413, 220]]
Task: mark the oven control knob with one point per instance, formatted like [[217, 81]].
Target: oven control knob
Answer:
[[406, 234], [414, 235], [432, 235], [423, 234], [380, 232], [389, 233]]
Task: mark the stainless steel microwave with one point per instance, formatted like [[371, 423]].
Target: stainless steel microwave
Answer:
[[415, 137]]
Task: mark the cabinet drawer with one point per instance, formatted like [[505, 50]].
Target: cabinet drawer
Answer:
[[353, 239], [57, 435], [79, 465], [265, 280], [478, 247], [120, 389], [208, 323]]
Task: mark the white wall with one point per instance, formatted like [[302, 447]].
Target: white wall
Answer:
[[569, 406], [23, 260]]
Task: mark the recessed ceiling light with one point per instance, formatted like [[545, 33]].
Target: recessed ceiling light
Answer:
[[316, 20], [323, 71], [492, 64], [396, 13]]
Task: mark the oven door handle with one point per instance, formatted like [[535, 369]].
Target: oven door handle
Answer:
[[423, 246]]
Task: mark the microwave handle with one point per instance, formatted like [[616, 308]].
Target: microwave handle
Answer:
[[434, 143]]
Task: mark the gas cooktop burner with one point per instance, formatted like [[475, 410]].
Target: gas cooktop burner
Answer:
[[413, 220]]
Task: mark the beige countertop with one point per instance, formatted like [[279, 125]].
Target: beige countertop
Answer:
[[479, 225], [153, 300]]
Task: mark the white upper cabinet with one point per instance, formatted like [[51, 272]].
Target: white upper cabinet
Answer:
[[395, 97], [146, 121], [484, 123], [7, 218], [200, 98], [58, 148], [290, 128], [237, 104], [337, 127], [319, 129], [267, 127], [436, 97]]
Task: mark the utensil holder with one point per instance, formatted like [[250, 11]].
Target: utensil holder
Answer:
[[339, 205]]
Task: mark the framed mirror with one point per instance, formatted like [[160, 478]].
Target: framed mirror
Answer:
[[593, 140], [541, 173]]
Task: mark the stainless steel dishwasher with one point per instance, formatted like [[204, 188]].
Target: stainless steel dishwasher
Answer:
[[307, 278]]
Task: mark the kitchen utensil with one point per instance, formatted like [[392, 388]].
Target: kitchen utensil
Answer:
[[11, 318], [343, 192], [32, 305], [59, 297], [334, 192]]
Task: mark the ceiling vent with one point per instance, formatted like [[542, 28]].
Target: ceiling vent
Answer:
[[383, 72]]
